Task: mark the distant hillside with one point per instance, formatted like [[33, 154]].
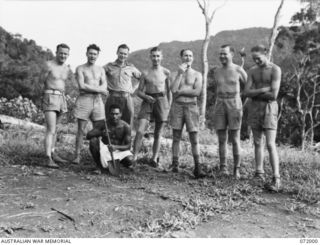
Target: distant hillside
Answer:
[[246, 38]]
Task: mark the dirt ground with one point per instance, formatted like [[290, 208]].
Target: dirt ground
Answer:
[[76, 202]]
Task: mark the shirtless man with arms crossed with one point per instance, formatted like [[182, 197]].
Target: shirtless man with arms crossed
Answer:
[[89, 105], [263, 88], [154, 89], [54, 76], [228, 107], [186, 88]]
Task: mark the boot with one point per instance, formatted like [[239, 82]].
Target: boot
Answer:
[[275, 185], [198, 173], [236, 172], [174, 167], [224, 169]]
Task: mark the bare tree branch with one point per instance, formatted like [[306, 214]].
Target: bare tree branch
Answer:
[[217, 8]]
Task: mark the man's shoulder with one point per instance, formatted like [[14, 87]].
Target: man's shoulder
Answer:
[[124, 124], [166, 71]]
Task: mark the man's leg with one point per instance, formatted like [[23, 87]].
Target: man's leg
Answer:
[[274, 158], [222, 138], [54, 155], [94, 148], [196, 154], [127, 161], [130, 107], [138, 138], [176, 133], [157, 140], [235, 139], [258, 152], [51, 120], [79, 139]]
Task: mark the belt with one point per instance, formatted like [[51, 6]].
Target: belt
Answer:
[[119, 93], [156, 95], [228, 96], [261, 99], [53, 91], [186, 103]]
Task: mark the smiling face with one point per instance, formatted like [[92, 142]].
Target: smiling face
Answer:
[[259, 58], [92, 56], [156, 58], [225, 55], [187, 57], [122, 54], [61, 55]]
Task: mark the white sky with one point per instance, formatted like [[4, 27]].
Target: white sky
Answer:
[[140, 24]]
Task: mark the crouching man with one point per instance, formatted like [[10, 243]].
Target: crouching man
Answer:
[[120, 137]]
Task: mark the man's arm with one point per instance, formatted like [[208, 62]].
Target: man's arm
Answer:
[[251, 92], [86, 87], [275, 85], [243, 75], [195, 90], [168, 83], [44, 73]]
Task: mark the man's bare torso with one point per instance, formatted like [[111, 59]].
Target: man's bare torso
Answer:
[[56, 76], [262, 76], [155, 80], [92, 74], [188, 81], [228, 80]]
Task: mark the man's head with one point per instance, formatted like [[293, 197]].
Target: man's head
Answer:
[[114, 113], [92, 53], [226, 54], [123, 52], [62, 53], [259, 55], [186, 56], [156, 56]]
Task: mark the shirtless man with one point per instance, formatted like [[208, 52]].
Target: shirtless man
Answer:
[[89, 105], [184, 110], [120, 137], [54, 76], [263, 88], [154, 89], [228, 107]]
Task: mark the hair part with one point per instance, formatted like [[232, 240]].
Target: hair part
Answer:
[[62, 45], [123, 46], [93, 46], [114, 106], [259, 48], [228, 46]]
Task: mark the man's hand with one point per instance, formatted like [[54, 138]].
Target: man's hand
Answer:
[[149, 99], [104, 92], [265, 89], [111, 148], [183, 68]]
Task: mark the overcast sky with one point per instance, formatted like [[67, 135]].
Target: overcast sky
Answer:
[[140, 24]]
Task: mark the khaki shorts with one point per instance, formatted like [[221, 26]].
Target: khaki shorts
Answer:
[[157, 111], [263, 114], [125, 103], [89, 106], [54, 102], [228, 113], [184, 113]]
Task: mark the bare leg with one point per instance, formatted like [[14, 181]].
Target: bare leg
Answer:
[[51, 120], [273, 154], [79, 139], [223, 138], [235, 139], [175, 149], [138, 139], [258, 149], [198, 173], [157, 139]]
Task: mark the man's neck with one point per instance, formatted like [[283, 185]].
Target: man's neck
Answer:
[[156, 67], [120, 63], [58, 63], [227, 65], [88, 64]]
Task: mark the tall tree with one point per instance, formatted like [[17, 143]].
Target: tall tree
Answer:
[[205, 6]]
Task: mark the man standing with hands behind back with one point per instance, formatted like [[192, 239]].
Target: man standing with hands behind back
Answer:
[[119, 75]]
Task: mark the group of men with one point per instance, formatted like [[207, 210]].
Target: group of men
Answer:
[[163, 99]]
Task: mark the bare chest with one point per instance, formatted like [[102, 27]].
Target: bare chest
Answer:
[[262, 77]]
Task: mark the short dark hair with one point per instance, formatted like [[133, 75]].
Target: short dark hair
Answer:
[[183, 50], [155, 49], [124, 46], [114, 106], [228, 46], [62, 45], [93, 46], [259, 48]]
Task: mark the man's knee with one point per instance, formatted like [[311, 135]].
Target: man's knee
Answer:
[[94, 145], [176, 136], [257, 141], [193, 138], [127, 161], [271, 146]]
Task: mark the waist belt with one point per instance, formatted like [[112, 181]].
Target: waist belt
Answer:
[[53, 91], [186, 103], [119, 93], [156, 95], [261, 99], [228, 96]]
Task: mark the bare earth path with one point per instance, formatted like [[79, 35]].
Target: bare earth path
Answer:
[[75, 202]]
